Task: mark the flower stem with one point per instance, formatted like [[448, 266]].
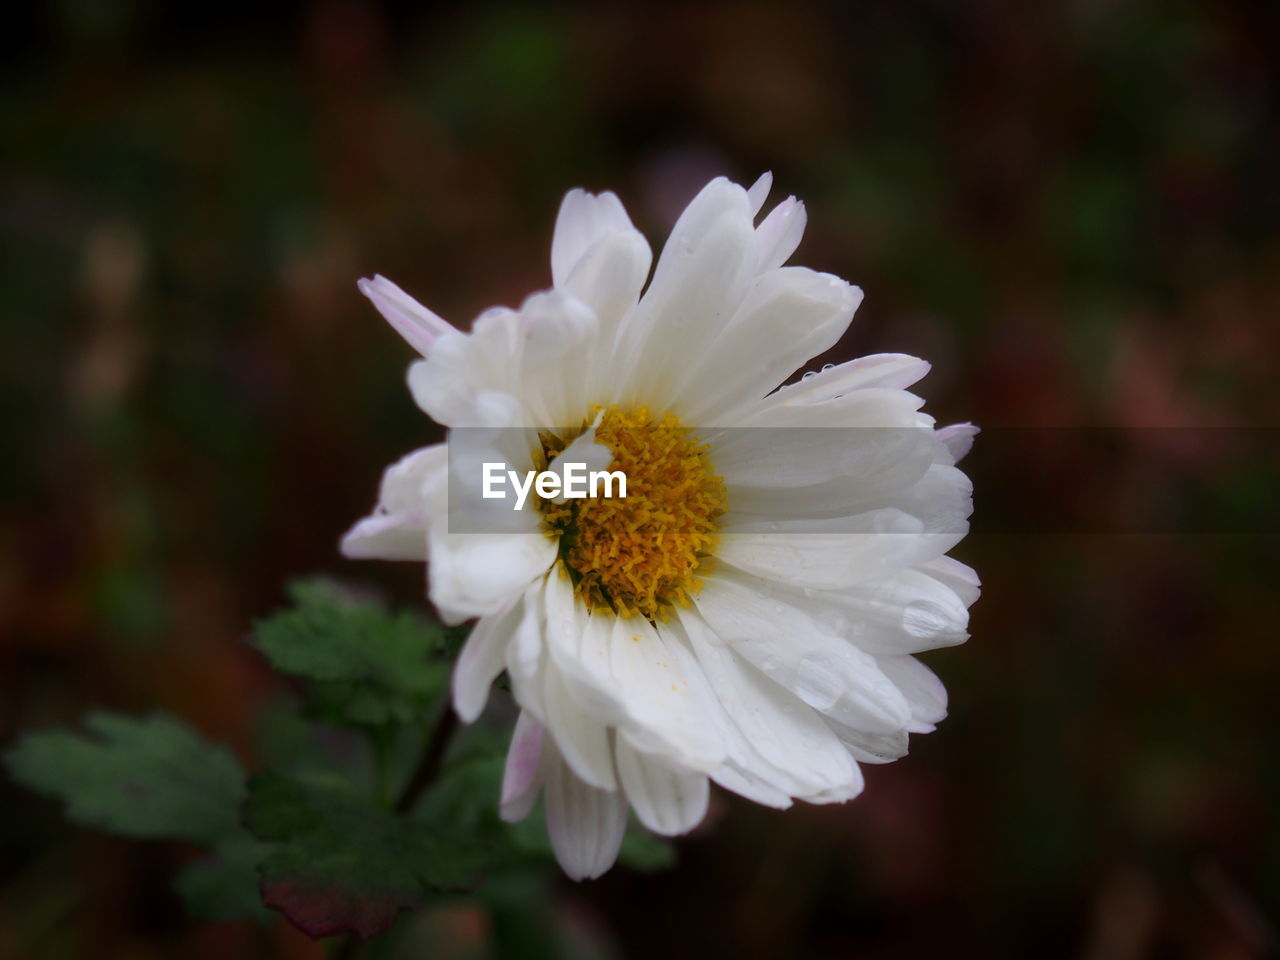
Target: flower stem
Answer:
[[381, 742], [430, 762], [424, 774]]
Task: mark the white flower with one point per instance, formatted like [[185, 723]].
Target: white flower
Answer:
[[756, 627]]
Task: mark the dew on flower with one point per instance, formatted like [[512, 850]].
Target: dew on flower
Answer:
[[563, 596]]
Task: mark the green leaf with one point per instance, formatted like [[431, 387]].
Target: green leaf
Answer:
[[361, 664], [341, 863], [223, 886], [154, 778], [137, 777], [344, 864]]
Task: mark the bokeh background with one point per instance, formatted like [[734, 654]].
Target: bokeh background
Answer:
[[1069, 207]]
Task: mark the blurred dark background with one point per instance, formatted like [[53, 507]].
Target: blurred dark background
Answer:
[[1068, 207]]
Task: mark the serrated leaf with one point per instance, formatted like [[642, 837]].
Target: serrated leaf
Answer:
[[148, 777], [361, 664], [223, 886], [341, 863], [344, 864]]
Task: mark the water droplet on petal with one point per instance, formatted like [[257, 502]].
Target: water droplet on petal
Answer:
[[817, 682], [920, 618]]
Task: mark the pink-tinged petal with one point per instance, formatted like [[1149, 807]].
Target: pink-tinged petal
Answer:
[[523, 776], [959, 439], [418, 325]]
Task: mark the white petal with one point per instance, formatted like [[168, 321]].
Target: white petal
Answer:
[[560, 333], [386, 537], [788, 646], [585, 825], [462, 367], [610, 275], [777, 739], [736, 778], [584, 219], [578, 712], [875, 447], [622, 672], [868, 408], [602, 260], [758, 192], [835, 561], [481, 660], [872, 747], [779, 234], [922, 688], [938, 498], [958, 439], [583, 738], [789, 315], [956, 575], [401, 490], [669, 707], [908, 612], [526, 653], [474, 575], [608, 279], [578, 645], [895, 371], [397, 528], [477, 574], [524, 774], [419, 326], [701, 278], [941, 500], [585, 450], [666, 801]]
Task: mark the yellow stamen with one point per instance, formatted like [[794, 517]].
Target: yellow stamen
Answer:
[[643, 553]]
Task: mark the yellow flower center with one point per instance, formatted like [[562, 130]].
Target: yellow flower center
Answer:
[[642, 553]]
